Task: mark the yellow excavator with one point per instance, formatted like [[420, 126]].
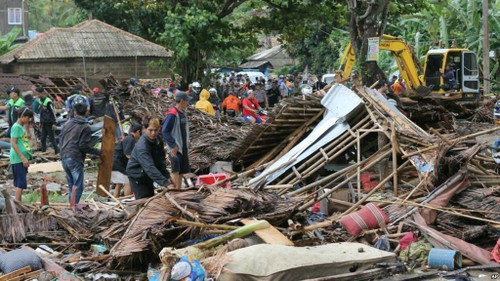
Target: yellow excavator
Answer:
[[426, 79]]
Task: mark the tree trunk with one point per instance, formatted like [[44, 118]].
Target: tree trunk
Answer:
[[367, 20]]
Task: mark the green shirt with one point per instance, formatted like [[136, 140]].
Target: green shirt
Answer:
[[17, 131]]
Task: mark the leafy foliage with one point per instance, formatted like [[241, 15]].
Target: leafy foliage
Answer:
[[7, 40], [45, 14], [199, 32]]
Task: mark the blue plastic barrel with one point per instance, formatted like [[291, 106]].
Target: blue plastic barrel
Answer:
[[444, 259]]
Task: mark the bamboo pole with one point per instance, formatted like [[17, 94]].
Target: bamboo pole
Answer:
[[326, 194], [117, 117], [203, 225], [394, 142], [453, 140], [183, 210], [114, 199], [362, 200], [445, 210], [358, 161], [329, 221], [313, 164], [313, 159], [435, 132]]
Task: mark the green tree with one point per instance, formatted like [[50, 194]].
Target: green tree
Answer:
[[45, 14], [199, 33], [7, 40], [311, 31]]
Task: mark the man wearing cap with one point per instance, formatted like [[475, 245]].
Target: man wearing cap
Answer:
[[175, 132], [47, 119], [98, 103], [15, 102]]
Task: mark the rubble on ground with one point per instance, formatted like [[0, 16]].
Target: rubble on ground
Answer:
[[335, 170]]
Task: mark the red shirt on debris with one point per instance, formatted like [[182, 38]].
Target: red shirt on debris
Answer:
[[250, 103]]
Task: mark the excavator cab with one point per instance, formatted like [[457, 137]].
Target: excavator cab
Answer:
[[465, 68]]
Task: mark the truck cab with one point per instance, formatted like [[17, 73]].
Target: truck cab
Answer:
[[466, 70]]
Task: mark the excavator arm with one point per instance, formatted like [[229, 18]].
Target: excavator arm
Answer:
[[408, 65]]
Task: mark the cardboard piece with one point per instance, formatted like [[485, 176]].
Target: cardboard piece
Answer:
[[270, 235]]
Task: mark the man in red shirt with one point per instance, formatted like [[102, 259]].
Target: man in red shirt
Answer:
[[250, 108]]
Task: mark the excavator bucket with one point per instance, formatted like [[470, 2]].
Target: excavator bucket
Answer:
[[424, 90]]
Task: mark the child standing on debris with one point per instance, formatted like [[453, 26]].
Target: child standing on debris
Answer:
[[21, 151]]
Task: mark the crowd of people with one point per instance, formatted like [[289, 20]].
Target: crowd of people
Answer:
[[238, 95], [139, 160]]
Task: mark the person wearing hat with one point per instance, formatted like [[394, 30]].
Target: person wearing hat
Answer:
[[121, 155], [175, 132], [15, 102], [47, 119], [98, 103], [147, 164]]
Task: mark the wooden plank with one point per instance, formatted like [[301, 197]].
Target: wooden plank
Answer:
[[270, 235], [15, 273], [28, 276], [46, 167], [107, 150]]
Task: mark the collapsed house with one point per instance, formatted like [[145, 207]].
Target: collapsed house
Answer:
[[348, 166]]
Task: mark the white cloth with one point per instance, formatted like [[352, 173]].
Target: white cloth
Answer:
[[117, 177]]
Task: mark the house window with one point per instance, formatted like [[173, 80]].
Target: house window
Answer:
[[15, 16]]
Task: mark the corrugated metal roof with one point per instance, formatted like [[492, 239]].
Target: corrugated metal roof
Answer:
[[265, 54], [91, 39], [253, 64]]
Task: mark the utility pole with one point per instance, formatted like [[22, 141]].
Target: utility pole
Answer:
[[486, 50]]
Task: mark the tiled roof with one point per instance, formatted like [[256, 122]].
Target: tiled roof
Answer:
[[9, 80], [90, 39]]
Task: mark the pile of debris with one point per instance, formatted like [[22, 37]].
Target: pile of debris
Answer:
[[212, 138], [349, 167]]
